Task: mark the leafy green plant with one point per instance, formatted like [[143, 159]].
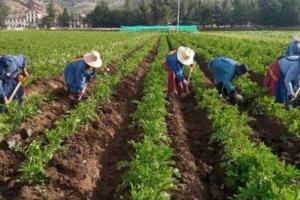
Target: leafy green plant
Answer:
[[252, 169], [151, 174], [42, 149]]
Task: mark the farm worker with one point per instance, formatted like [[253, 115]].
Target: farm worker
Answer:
[[287, 79], [81, 71], [174, 64], [12, 74], [224, 70], [294, 46]]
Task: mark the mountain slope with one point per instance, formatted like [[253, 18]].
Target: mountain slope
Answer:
[[78, 6]]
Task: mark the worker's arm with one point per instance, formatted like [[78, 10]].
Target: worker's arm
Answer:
[[291, 75], [91, 75], [3, 97], [79, 79]]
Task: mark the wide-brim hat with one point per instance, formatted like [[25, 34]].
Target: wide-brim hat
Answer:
[[93, 59], [185, 55]]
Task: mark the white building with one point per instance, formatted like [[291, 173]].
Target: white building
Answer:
[[31, 18], [16, 21]]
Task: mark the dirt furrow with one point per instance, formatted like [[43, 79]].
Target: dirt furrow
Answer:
[[269, 131], [10, 159], [57, 81], [275, 136], [197, 157], [50, 112], [88, 170]]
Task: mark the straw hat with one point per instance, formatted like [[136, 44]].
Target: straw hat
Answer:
[[297, 37], [185, 55], [93, 59]]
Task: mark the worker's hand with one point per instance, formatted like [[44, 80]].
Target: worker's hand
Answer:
[[22, 78], [186, 82], [6, 101], [192, 65]]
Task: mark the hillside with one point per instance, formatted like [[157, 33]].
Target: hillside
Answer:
[[78, 6]]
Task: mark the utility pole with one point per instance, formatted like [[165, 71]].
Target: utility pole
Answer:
[[178, 16]]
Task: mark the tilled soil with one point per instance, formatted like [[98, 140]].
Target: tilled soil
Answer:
[[275, 136], [57, 82], [257, 78], [88, 170], [271, 132], [50, 112], [197, 157]]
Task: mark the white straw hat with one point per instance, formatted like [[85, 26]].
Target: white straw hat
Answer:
[[185, 55], [297, 37], [93, 59]]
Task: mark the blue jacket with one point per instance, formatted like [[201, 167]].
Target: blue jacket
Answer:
[[76, 75], [175, 66], [292, 49], [224, 71], [290, 69], [10, 68]]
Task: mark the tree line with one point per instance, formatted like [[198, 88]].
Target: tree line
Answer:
[[199, 12]]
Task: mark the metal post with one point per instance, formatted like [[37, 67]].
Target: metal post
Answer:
[[178, 16]]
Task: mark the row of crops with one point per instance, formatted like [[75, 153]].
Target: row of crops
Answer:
[[119, 143], [266, 177]]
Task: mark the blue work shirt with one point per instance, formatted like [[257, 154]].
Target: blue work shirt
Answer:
[[292, 49], [224, 71], [175, 66], [290, 69], [10, 68], [76, 75]]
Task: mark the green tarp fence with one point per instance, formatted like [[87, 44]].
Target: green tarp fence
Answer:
[[181, 28]]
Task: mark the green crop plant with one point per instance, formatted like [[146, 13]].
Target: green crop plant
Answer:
[[151, 174], [16, 114], [252, 170], [255, 95], [43, 148]]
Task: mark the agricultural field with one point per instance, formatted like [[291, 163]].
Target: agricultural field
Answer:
[[127, 140]]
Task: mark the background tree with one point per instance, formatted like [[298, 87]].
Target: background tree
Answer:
[[64, 19], [289, 14], [50, 19], [269, 12], [4, 10], [100, 16]]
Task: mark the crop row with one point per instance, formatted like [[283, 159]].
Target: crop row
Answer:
[[255, 94], [151, 172], [252, 170], [256, 53], [47, 52], [30, 107], [43, 148]]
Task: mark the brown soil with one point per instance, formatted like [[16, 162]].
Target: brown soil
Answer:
[[270, 132], [88, 170], [275, 136], [257, 78], [197, 157], [50, 112], [57, 82]]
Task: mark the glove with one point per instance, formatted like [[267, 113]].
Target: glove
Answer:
[[234, 95], [238, 98]]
